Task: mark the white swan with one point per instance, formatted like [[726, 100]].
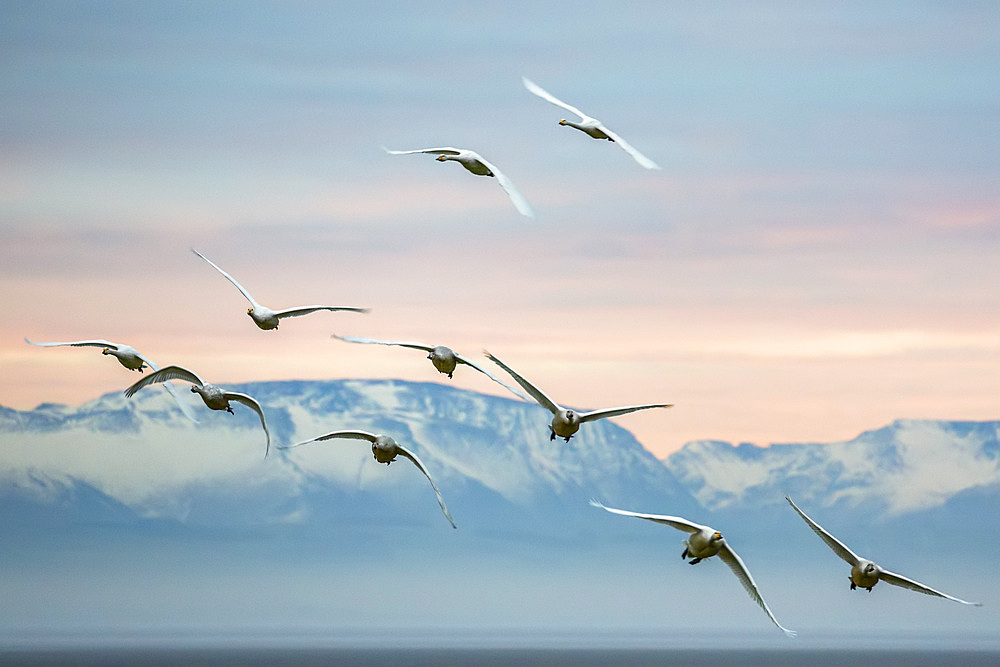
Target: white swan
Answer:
[[478, 165], [589, 125], [865, 573], [214, 397], [704, 542], [385, 450], [444, 359], [128, 357], [264, 317], [566, 422]]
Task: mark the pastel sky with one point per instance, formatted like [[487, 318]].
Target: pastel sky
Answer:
[[817, 257]]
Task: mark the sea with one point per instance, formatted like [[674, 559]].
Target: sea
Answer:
[[489, 657], [519, 650]]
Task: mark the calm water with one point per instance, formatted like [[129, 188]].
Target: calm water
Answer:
[[490, 657]]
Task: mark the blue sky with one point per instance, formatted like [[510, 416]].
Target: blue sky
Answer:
[[817, 256]]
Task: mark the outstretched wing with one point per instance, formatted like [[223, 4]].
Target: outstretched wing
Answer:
[[162, 375], [614, 412], [184, 407], [836, 545], [468, 362], [444, 150], [520, 203], [735, 563], [420, 466], [549, 97], [252, 403], [534, 391], [229, 278], [305, 310], [673, 521], [904, 582], [97, 342], [628, 148], [352, 435], [355, 339]]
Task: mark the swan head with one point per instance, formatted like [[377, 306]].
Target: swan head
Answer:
[[106, 351], [441, 158], [717, 536], [562, 122], [250, 311]]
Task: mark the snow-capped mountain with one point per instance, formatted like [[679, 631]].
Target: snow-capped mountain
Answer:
[[907, 467], [487, 455]]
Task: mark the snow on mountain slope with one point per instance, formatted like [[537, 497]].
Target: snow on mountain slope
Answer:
[[143, 454], [905, 467]]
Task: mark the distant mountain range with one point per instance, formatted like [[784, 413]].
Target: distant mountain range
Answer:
[[129, 486], [491, 457]]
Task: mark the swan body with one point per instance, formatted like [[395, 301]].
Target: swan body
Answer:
[[865, 573], [589, 125], [214, 397], [705, 542], [385, 450], [566, 422], [479, 166], [266, 318]]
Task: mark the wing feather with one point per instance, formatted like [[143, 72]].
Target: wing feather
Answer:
[[535, 89], [836, 545], [228, 277], [534, 391], [904, 582], [520, 203], [628, 148], [252, 403], [305, 310], [735, 563], [97, 342], [444, 150], [372, 341], [420, 466], [614, 412], [351, 435], [162, 375], [677, 522]]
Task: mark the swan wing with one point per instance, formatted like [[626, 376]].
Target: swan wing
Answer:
[[162, 375], [228, 277], [677, 522], [420, 466], [614, 412], [735, 563], [836, 545], [628, 148], [532, 390], [252, 403], [904, 582], [535, 89]]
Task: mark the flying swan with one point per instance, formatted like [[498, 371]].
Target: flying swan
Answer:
[[444, 359], [385, 450], [128, 357], [589, 125], [865, 573], [264, 317], [214, 397], [704, 542], [566, 422], [478, 165]]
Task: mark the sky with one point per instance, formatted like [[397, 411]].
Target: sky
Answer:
[[817, 256]]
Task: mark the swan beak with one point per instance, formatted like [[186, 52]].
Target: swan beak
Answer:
[[249, 311], [440, 158], [718, 535], [105, 351], [562, 122]]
